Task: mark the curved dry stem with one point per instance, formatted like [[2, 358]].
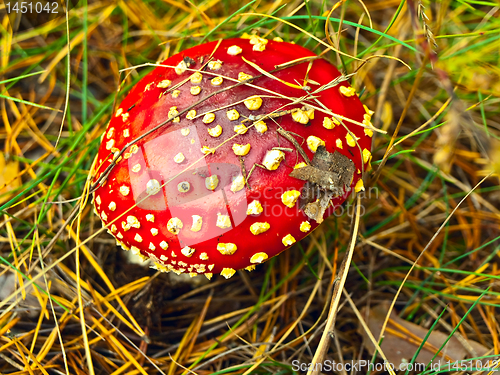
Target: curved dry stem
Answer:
[[337, 293]]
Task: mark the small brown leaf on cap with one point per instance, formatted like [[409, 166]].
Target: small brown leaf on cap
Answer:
[[328, 176], [331, 171]]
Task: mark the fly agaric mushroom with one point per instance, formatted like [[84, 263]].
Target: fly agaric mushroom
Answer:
[[228, 154]]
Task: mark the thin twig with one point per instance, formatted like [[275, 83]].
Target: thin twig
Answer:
[[320, 353]]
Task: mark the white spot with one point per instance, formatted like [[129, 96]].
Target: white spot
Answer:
[[153, 187], [223, 221], [112, 206], [197, 223], [172, 113], [254, 208], [258, 228], [240, 129], [196, 78], [187, 251], [212, 182], [164, 84], [125, 226], [174, 225], [347, 91], [133, 221], [300, 165], [338, 143], [179, 158], [300, 116], [104, 217], [290, 197], [234, 50], [259, 47], [124, 190], [238, 183], [119, 111], [208, 118], [206, 150], [204, 256], [150, 217], [232, 114], [254, 40], [305, 226], [350, 140], [164, 245], [195, 90], [214, 64], [136, 168], [272, 159], [98, 200], [288, 240], [253, 103], [226, 248], [215, 131], [152, 247], [314, 142], [260, 126], [258, 258], [154, 231], [110, 133], [228, 272], [241, 150], [216, 81], [183, 187], [367, 155], [181, 67], [176, 93], [359, 186], [330, 123], [110, 144], [244, 77], [138, 237], [190, 115]]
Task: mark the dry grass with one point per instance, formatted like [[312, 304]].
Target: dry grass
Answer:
[[426, 238]]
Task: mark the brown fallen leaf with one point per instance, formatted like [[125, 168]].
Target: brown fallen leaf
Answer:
[[402, 339], [329, 175]]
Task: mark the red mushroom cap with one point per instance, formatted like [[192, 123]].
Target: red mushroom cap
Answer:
[[243, 170]]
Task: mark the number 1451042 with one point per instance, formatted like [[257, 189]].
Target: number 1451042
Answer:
[[32, 7]]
